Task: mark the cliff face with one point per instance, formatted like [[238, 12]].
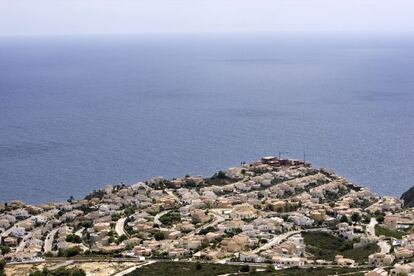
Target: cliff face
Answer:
[[408, 198]]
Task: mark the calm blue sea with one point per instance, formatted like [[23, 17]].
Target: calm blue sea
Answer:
[[77, 113]]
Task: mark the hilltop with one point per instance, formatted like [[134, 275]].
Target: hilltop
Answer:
[[408, 198], [273, 211]]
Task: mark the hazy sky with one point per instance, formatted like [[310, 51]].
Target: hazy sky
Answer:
[[31, 17]]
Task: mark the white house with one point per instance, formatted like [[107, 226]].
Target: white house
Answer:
[[19, 232]]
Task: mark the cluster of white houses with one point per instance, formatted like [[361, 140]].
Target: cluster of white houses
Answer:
[[252, 213]]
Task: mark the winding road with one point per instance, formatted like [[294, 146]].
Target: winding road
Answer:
[[383, 245], [22, 244], [119, 227], [218, 220], [157, 219], [371, 228], [49, 240]]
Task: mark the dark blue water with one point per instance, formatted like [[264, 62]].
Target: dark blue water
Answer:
[[77, 113]]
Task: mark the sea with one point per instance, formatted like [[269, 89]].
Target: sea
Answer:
[[80, 112]]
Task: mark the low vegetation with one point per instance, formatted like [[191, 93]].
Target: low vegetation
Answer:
[[209, 269], [326, 246], [315, 271], [171, 218], [360, 254], [185, 269], [382, 231], [59, 272], [73, 238], [2, 266], [70, 252], [219, 179], [4, 249]]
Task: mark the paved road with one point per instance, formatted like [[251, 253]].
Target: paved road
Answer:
[[276, 240], [385, 247], [280, 238], [22, 244], [371, 228], [49, 240], [119, 227], [79, 232], [157, 219], [171, 193], [218, 219]]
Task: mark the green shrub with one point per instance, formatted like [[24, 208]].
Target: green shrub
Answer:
[[270, 268], [4, 249], [344, 219], [159, 235], [59, 272], [121, 239], [171, 218], [356, 217], [73, 238], [380, 218], [382, 231], [207, 230], [244, 268], [70, 252], [326, 246]]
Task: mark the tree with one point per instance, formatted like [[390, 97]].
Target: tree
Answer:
[[130, 210], [171, 218], [206, 230], [221, 175], [71, 199], [270, 268], [344, 219], [73, 238], [121, 239], [356, 217], [380, 218], [230, 232], [366, 219], [2, 264], [4, 249], [159, 236], [70, 252], [62, 271], [244, 268]]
